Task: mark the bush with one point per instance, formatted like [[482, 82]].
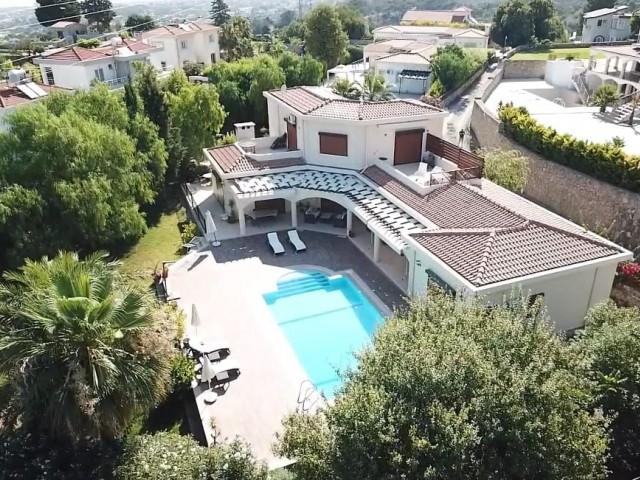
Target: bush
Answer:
[[354, 53], [167, 456], [436, 90], [507, 168], [605, 161], [182, 369], [188, 231], [192, 69], [89, 43]]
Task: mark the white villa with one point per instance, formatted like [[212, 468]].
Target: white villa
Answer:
[[193, 42], [78, 67], [415, 204], [436, 35], [457, 15], [607, 25]]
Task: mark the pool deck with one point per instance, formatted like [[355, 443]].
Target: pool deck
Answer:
[[226, 285]]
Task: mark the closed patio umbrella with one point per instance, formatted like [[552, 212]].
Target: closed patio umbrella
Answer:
[[195, 318], [210, 226], [208, 373]]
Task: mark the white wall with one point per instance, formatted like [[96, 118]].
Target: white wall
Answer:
[[567, 298], [591, 30], [198, 49], [390, 71], [77, 76], [559, 73], [381, 138], [356, 143]]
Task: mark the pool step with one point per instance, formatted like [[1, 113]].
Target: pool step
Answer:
[[302, 285]]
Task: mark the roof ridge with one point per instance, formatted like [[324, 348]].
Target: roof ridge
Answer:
[[488, 248], [574, 234]]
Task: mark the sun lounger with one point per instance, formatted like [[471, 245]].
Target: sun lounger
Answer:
[[225, 369], [294, 240], [274, 243]]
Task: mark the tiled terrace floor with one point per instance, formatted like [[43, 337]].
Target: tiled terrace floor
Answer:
[[226, 284]]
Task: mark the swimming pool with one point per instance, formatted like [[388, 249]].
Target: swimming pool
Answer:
[[325, 319]]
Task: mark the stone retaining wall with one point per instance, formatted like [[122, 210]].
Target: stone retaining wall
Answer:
[[606, 209], [524, 68]]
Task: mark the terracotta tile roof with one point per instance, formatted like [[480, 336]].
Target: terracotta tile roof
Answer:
[[232, 160], [78, 54], [300, 99], [494, 255], [10, 96], [311, 103], [449, 206], [436, 16]]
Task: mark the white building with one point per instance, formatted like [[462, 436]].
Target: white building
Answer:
[[440, 35], [414, 203], [606, 25], [405, 72], [457, 15], [194, 42], [69, 32], [78, 68]]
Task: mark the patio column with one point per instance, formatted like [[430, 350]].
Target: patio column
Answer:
[[242, 220], [349, 220], [616, 64], [606, 66], [294, 214], [376, 248]]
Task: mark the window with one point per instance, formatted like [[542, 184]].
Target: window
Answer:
[[333, 144], [110, 67], [163, 66], [49, 74], [183, 44], [602, 23], [213, 58], [212, 39], [99, 73], [620, 25]]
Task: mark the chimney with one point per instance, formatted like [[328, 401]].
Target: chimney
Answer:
[[245, 131]]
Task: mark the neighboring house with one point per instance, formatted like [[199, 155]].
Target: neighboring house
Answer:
[[373, 51], [195, 42], [405, 72], [18, 91], [70, 32], [415, 204], [457, 15], [441, 35], [607, 25], [78, 68]]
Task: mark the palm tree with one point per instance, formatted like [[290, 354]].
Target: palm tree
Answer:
[[605, 95], [375, 88], [74, 347], [346, 88]]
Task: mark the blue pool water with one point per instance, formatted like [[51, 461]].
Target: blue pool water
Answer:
[[325, 319]]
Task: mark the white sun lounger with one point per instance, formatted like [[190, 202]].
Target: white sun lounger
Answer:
[[225, 368], [294, 240], [274, 243]]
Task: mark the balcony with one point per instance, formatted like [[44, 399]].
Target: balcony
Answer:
[[116, 83], [260, 149]]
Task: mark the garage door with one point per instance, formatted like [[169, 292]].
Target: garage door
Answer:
[[408, 148]]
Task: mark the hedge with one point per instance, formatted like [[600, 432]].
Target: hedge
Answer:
[[603, 161]]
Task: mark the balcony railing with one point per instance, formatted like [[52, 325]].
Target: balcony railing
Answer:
[[116, 82]]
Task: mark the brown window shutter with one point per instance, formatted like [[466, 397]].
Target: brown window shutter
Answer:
[[333, 144]]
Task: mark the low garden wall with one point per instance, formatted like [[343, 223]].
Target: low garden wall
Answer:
[[604, 208]]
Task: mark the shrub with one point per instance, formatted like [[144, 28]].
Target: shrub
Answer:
[[89, 43], [605, 162], [188, 231], [507, 168], [227, 139], [192, 69], [182, 369], [167, 456], [436, 90]]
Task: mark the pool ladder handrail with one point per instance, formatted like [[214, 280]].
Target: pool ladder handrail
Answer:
[[311, 389]]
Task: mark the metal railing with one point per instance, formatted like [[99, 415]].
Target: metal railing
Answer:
[[309, 396], [581, 87], [193, 206], [116, 82]]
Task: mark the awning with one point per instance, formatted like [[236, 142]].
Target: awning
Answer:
[[414, 74]]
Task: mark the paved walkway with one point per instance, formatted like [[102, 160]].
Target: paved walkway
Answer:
[[460, 110]]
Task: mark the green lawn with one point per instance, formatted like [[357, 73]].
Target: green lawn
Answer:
[[577, 53], [161, 242]]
